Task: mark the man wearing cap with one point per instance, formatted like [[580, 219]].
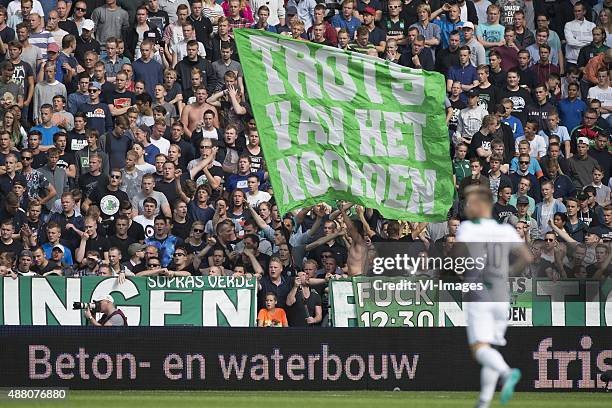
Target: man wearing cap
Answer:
[[581, 164], [470, 118], [135, 255], [86, 41], [98, 115], [305, 11], [24, 264], [522, 215], [478, 55], [111, 316], [377, 36], [291, 16]]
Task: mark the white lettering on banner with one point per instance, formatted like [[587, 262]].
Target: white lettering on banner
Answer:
[[376, 181], [287, 168], [160, 307], [369, 71], [314, 118], [312, 170], [418, 121], [300, 64], [557, 291], [423, 191], [399, 177], [236, 314], [275, 84], [370, 133], [46, 298], [346, 89], [396, 146], [10, 301], [335, 167], [280, 125], [408, 89]]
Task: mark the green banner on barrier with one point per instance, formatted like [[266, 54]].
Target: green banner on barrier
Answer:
[[365, 302], [338, 125], [382, 302], [220, 301]]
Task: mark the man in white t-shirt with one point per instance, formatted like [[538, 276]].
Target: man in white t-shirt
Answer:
[[254, 196], [179, 50], [602, 92], [148, 186]]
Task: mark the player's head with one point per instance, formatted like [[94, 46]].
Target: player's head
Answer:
[[478, 202]]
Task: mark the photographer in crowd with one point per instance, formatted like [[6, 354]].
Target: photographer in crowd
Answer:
[[111, 316]]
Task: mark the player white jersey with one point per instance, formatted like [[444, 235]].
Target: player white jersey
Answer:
[[491, 243]]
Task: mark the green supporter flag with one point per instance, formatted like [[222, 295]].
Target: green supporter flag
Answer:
[[338, 125]]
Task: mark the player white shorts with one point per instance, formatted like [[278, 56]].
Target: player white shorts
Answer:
[[487, 322]]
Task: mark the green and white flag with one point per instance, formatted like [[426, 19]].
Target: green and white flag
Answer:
[[338, 125]]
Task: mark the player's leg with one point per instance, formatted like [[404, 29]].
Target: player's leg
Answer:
[[492, 366]]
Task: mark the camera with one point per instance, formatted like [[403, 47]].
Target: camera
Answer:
[[93, 306]]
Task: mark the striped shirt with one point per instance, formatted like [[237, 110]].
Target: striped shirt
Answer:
[[42, 41]]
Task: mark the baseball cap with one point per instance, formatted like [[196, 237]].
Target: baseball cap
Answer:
[[21, 183], [106, 297], [135, 247], [471, 93], [369, 10], [58, 246], [466, 24], [96, 85], [26, 252], [53, 47], [583, 140], [291, 11], [88, 25], [522, 200], [582, 196]]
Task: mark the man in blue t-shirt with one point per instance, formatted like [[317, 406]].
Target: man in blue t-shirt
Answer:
[[98, 115], [346, 19], [46, 128]]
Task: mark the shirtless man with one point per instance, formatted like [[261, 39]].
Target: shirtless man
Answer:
[[358, 252], [193, 114]]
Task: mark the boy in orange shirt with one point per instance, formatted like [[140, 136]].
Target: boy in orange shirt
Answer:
[[271, 316]]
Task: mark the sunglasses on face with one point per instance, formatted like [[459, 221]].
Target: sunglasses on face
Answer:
[[115, 176], [198, 230], [26, 158], [523, 162]]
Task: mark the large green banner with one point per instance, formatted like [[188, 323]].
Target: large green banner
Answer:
[[389, 302], [159, 301], [342, 125]]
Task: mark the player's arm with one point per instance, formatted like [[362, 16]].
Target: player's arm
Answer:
[[523, 259]]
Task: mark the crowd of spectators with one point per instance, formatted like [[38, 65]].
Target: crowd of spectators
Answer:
[[128, 144]]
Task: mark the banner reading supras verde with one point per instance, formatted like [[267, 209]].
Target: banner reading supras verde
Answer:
[[345, 126], [155, 301], [534, 302]]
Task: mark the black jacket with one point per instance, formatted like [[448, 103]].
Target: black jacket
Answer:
[[183, 73], [131, 39]]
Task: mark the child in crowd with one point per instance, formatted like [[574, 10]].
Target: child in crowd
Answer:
[[271, 316]]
